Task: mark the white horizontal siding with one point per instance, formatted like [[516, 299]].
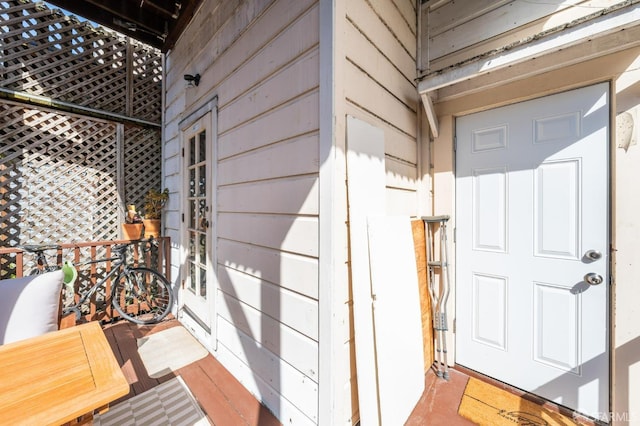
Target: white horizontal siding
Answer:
[[259, 58], [291, 309], [289, 195], [456, 33], [286, 233], [289, 158], [300, 389], [300, 114], [298, 78], [291, 271], [289, 345], [361, 15]]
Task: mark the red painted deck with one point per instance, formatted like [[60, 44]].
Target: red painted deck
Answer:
[[227, 402], [220, 395]]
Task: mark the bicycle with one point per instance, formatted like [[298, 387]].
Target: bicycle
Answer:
[[139, 294]]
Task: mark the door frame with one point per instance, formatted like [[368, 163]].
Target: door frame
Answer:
[[205, 333], [452, 156]]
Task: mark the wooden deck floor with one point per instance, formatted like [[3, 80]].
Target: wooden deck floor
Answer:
[[220, 395], [226, 402]]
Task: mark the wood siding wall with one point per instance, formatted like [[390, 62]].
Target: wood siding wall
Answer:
[[451, 34], [377, 43], [261, 59], [379, 79]]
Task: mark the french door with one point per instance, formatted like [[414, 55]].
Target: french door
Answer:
[[198, 217]]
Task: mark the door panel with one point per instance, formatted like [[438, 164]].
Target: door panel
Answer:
[[198, 217], [531, 200]]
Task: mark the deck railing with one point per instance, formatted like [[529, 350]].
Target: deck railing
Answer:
[[15, 263]]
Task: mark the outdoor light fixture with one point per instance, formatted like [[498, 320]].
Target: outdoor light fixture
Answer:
[[192, 79]]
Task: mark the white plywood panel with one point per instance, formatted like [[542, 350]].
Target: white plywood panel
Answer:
[[556, 323], [293, 347], [286, 233], [300, 116], [300, 389], [366, 191], [397, 317], [290, 271], [298, 312], [298, 77], [294, 195], [557, 203], [490, 209], [490, 310], [296, 156]]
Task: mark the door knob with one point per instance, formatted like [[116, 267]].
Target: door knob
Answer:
[[593, 279], [593, 254]]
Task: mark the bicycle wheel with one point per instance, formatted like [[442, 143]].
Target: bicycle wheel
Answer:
[[142, 296]]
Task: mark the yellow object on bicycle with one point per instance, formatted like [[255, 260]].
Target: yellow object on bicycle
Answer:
[[70, 273]]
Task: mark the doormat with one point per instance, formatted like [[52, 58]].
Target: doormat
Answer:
[[169, 350], [170, 403], [486, 405]]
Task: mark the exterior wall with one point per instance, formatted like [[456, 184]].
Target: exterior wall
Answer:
[[621, 69], [261, 59], [376, 44], [452, 34], [379, 73]]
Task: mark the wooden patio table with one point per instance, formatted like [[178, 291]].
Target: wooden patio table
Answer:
[[58, 377]]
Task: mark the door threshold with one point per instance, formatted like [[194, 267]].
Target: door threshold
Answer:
[[580, 418]]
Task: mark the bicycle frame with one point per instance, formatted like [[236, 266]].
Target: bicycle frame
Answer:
[[119, 266]]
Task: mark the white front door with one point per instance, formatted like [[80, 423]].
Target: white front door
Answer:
[[532, 224], [198, 238]]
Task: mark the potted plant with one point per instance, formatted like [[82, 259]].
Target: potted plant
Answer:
[[154, 202], [132, 228]]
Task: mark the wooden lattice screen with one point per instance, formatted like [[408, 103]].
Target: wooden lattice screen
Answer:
[[65, 176]]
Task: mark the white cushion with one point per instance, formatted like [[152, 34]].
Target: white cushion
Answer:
[[29, 306]]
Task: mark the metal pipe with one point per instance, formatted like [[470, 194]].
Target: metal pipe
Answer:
[[28, 98]]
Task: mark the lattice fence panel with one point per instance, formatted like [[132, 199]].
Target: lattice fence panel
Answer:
[[147, 84], [46, 52], [60, 176], [143, 166]]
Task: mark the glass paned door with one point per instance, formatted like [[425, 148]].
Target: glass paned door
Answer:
[[197, 221]]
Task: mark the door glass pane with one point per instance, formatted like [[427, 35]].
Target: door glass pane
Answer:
[[203, 248], [192, 182], [203, 283], [202, 180], [202, 215], [192, 276], [192, 247], [192, 150], [192, 214], [202, 149]]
